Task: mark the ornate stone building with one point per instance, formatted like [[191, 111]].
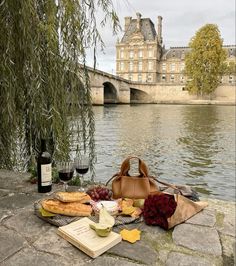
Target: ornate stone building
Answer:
[[142, 57]]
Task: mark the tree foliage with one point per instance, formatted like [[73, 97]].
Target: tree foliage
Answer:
[[231, 68], [44, 85], [205, 63]]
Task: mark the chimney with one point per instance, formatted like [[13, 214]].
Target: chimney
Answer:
[[127, 22], [138, 21], [159, 29]]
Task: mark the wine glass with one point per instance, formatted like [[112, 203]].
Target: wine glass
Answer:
[[82, 167], [66, 171]]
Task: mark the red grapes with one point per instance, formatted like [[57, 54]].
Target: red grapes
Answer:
[[100, 193]]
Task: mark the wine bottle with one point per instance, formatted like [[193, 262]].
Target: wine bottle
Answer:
[[44, 169]]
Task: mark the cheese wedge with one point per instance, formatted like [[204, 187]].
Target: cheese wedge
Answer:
[[72, 197], [64, 208]]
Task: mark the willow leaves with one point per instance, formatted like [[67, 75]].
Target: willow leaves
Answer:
[[44, 85]]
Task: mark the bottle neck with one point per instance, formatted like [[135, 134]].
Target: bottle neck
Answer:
[[43, 145]]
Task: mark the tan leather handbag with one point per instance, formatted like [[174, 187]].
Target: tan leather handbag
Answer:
[[134, 187]]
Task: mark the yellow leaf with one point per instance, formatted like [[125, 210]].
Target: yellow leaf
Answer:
[[45, 213], [127, 203], [128, 210], [130, 235], [136, 213]]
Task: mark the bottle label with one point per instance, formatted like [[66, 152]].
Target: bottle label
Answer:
[[46, 174]]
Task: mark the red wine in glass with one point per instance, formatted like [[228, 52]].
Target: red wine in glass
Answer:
[[65, 175], [82, 167], [65, 171]]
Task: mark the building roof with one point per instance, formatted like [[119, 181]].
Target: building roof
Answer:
[[179, 52], [175, 52], [147, 29]]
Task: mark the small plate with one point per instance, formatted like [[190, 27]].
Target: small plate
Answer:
[[111, 206]]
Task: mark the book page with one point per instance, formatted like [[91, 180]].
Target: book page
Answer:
[[81, 232]]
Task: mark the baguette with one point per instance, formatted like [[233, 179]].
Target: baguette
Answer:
[[72, 197], [69, 209]]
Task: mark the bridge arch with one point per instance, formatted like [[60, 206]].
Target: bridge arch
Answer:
[[139, 96], [110, 93]]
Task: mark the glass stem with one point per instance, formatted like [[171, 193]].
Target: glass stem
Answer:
[[81, 182], [65, 186]]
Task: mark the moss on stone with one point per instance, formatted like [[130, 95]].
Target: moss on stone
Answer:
[[219, 219], [228, 260], [165, 243]]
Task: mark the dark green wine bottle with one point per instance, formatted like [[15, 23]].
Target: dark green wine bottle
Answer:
[[44, 169]]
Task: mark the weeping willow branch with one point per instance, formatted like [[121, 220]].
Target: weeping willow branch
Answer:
[[44, 85]]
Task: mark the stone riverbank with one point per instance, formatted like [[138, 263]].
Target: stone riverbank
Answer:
[[208, 238]]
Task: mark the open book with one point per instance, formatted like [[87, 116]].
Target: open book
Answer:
[[83, 237]]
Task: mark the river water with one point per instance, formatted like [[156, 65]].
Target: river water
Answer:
[[182, 144]]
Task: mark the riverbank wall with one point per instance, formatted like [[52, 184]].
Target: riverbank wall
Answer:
[[224, 94]]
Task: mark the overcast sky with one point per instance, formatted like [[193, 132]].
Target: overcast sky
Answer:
[[181, 19]]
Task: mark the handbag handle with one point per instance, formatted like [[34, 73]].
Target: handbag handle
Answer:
[[143, 170], [166, 184], [151, 177], [109, 180], [125, 167]]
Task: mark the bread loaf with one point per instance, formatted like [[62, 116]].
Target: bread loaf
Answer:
[[64, 208], [72, 197]]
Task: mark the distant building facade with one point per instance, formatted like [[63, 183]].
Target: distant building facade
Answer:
[[142, 57]]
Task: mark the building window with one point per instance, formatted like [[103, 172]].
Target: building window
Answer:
[[164, 67], [140, 53], [122, 66], [230, 79], [172, 68], [172, 78], [149, 77], [149, 65], [183, 54], [181, 79], [122, 53], [182, 66], [150, 53], [131, 66], [130, 77], [140, 66], [139, 77], [131, 54], [163, 78]]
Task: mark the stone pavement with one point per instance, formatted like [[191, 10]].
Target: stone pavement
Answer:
[[208, 238]]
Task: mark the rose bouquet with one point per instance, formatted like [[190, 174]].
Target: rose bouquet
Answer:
[[158, 208]]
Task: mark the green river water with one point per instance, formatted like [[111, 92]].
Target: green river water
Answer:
[[182, 144]]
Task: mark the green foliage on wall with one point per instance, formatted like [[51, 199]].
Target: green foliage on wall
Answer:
[[44, 85], [205, 63]]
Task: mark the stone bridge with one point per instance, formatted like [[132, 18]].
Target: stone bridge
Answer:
[[108, 88]]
